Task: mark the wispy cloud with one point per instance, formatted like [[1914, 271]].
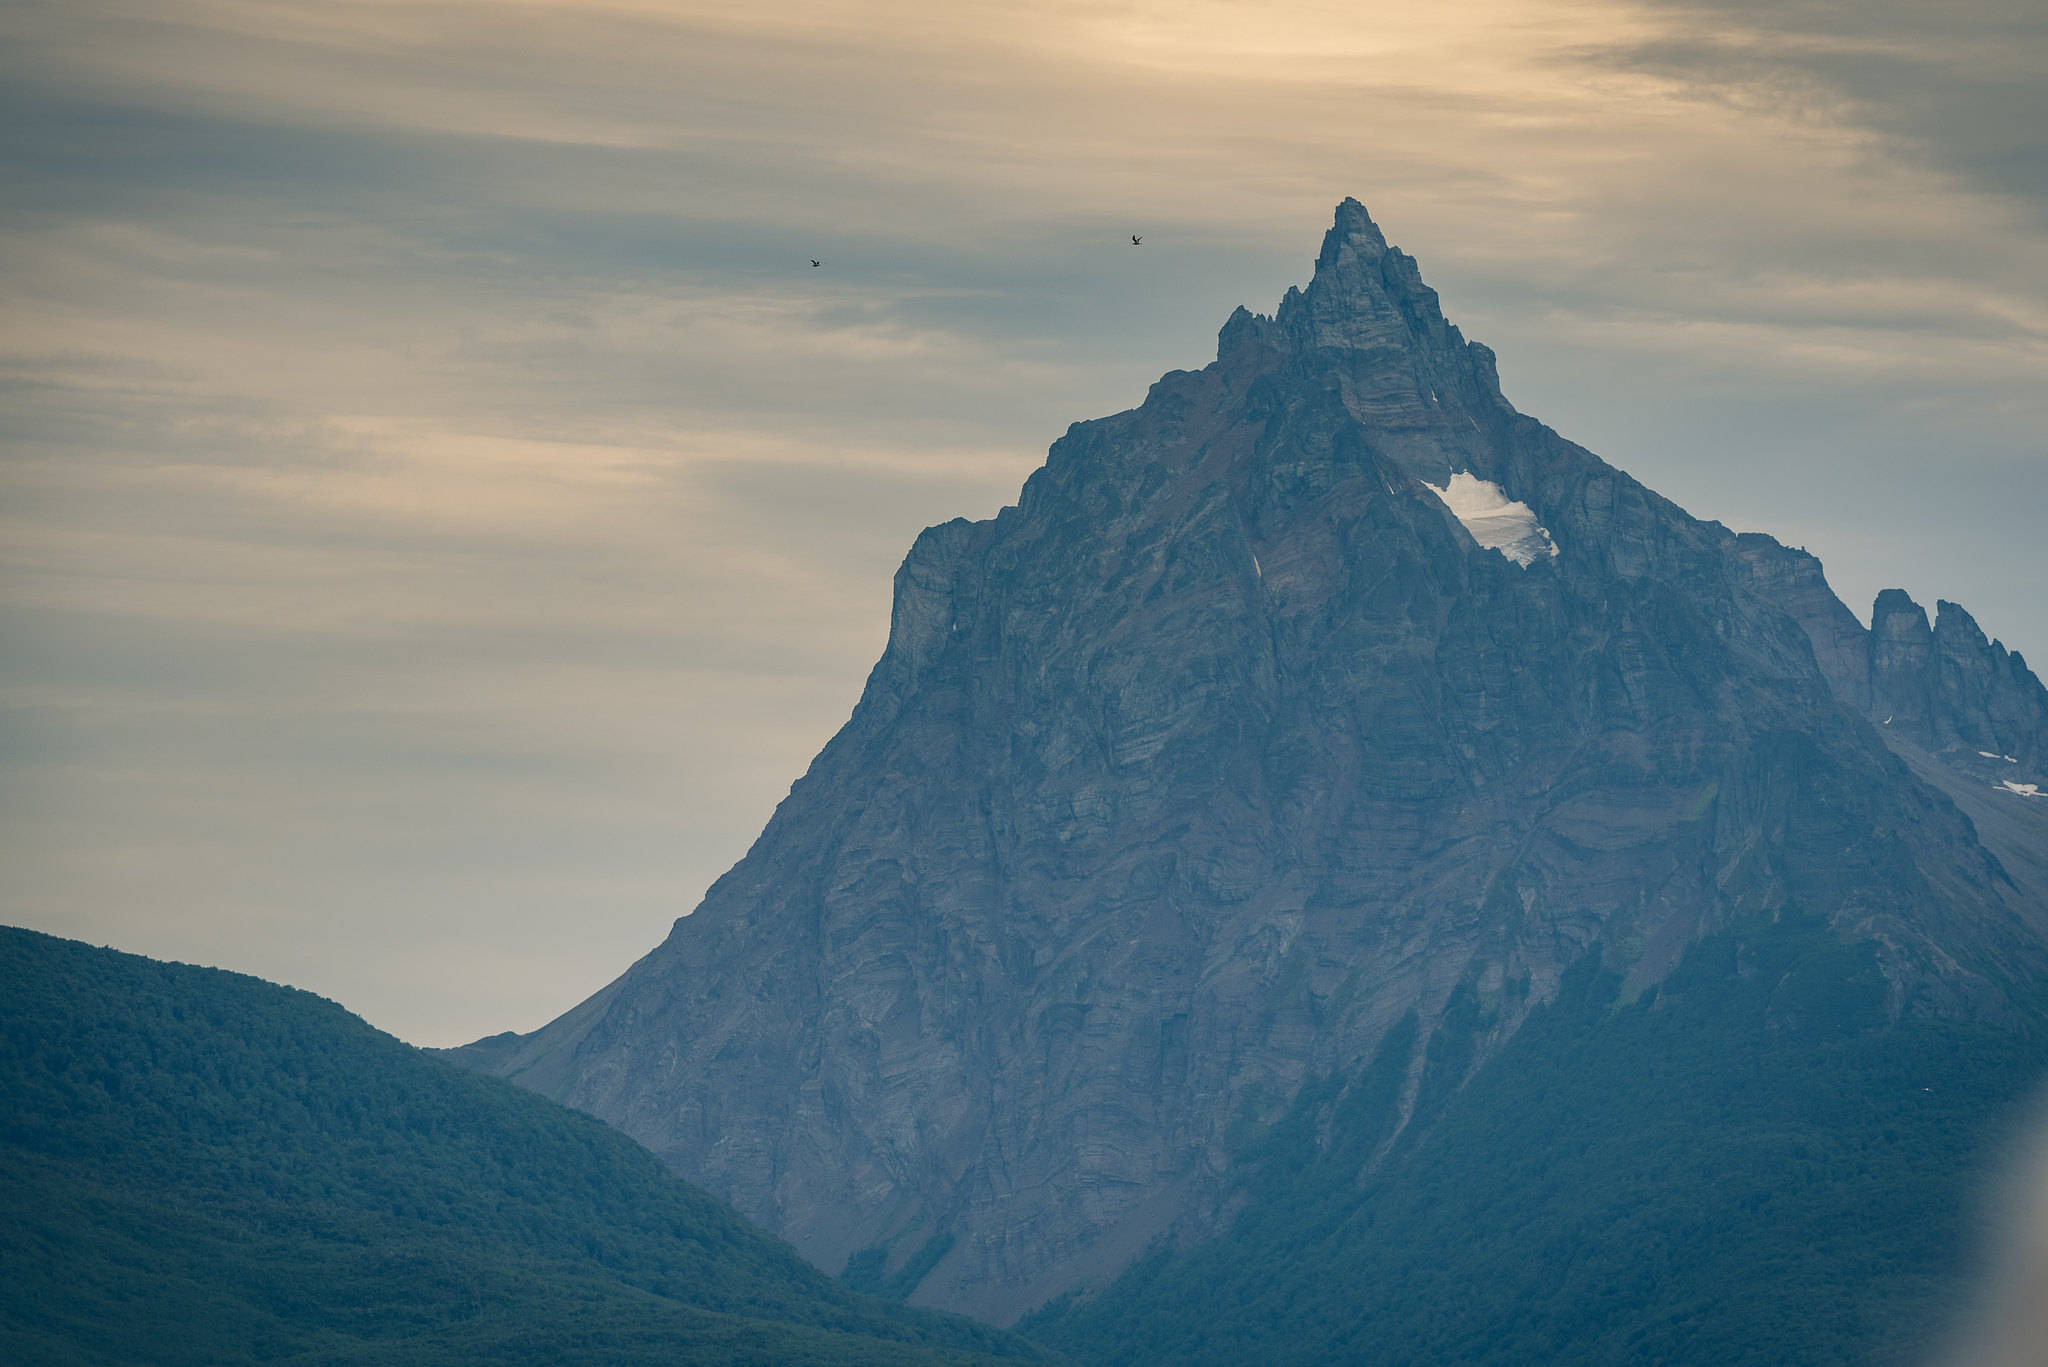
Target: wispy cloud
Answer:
[[443, 508]]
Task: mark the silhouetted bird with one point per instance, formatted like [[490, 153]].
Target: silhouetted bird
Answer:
[[1135, 239], [816, 262]]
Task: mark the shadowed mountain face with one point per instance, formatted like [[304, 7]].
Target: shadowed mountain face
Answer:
[[1319, 694]]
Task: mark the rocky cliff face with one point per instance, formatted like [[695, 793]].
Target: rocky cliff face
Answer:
[[1322, 686], [1949, 688]]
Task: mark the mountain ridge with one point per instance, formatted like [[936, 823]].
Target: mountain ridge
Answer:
[[1230, 746]]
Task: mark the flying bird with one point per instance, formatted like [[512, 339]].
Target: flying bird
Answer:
[[1136, 240], [816, 262]]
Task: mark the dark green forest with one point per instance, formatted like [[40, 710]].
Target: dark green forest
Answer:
[[1752, 1166], [198, 1167]]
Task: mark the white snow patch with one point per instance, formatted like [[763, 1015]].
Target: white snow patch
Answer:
[[2023, 789], [1496, 521], [1993, 754], [1255, 567]]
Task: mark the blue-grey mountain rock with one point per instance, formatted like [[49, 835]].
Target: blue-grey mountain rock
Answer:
[[1319, 688]]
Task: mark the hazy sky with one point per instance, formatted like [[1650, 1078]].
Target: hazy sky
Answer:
[[442, 509]]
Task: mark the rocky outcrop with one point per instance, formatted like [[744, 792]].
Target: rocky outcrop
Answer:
[[1950, 687], [1795, 582], [1225, 749]]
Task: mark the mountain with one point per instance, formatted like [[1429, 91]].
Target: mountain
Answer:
[[202, 1168], [1317, 758]]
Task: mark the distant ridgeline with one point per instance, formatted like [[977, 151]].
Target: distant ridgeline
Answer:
[[1340, 873], [202, 1168]]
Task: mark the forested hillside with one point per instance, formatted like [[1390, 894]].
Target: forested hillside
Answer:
[[199, 1167]]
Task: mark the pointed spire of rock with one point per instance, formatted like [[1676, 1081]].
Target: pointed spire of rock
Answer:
[[1354, 229], [1367, 295], [1402, 368]]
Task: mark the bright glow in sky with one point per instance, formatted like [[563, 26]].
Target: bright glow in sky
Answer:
[[442, 509]]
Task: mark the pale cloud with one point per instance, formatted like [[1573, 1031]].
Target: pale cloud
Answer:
[[443, 509]]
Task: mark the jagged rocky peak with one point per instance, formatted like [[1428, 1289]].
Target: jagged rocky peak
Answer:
[[1381, 335], [1948, 686], [1319, 693]]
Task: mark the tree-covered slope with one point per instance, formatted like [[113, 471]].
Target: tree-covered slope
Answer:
[[1752, 1163], [199, 1167]]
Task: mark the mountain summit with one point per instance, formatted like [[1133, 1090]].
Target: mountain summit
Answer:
[[1310, 724]]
